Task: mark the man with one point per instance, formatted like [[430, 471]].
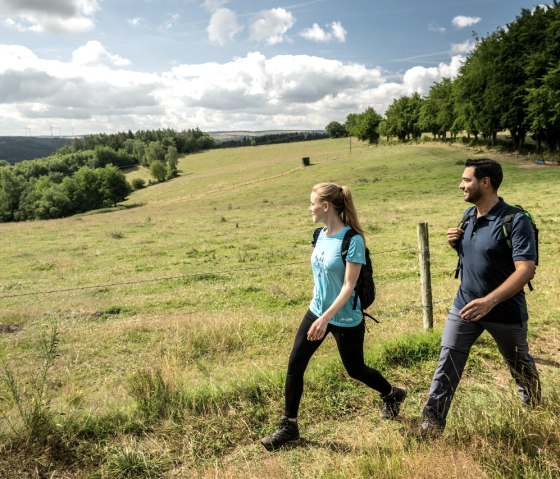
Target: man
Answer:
[[490, 296]]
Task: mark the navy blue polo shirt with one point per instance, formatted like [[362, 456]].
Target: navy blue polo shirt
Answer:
[[487, 261]]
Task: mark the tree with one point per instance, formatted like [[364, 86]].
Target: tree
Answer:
[[335, 130], [544, 110], [351, 125], [364, 125], [84, 189], [403, 117], [139, 152], [114, 187], [155, 152], [171, 158], [383, 129], [437, 110], [11, 188], [158, 170], [368, 123]]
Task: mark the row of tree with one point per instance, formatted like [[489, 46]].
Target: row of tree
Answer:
[[56, 196], [511, 81], [270, 138], [87, 174]]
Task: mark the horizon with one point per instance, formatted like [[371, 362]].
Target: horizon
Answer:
[[225, 65]]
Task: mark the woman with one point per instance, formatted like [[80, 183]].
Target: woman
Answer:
[[331, 310]]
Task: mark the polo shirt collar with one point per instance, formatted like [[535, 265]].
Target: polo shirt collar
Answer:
[[496, 211]]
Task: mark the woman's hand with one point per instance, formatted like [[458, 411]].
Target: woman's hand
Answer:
[[318, 329]]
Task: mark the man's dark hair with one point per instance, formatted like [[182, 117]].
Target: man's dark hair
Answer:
[[484, 167]]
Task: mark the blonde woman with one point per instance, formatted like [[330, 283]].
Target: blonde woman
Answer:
[[332, 310]]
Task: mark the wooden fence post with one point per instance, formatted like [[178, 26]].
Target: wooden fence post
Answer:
[[425, 277]]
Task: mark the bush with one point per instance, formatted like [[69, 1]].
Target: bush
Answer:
[[138, 183]]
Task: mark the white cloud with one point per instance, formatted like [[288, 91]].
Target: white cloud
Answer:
[[272, 26], [55, 16], [170, 21], [461, 21], [462, 48], [338, 31], [94, 52], [93, 93], [135, 22], [317, 34], [223, 26], [419, 79], [434, 28], [213, 5]]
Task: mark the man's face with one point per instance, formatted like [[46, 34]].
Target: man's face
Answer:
[[470, 186]]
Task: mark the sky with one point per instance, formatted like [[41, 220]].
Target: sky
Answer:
[[75, 67]]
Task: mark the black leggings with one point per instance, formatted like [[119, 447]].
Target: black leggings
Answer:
[[350, 342]]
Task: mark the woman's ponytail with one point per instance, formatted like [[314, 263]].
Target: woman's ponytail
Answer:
[[341, 199]]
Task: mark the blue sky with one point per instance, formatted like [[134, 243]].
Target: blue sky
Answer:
[[87, 66]]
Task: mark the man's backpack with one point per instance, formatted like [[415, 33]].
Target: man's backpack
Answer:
[[365, 286], [507, 227]]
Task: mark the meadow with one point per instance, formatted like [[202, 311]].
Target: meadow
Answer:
[[151, 341]]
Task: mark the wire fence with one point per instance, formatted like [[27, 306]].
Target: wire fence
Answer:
[[185, 276]]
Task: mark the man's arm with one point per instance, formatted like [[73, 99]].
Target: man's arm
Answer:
[[480, 307]]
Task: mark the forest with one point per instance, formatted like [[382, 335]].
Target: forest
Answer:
[[510, 82]]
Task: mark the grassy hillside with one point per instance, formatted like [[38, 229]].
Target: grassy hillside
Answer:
[[175, 317], [19, 148]]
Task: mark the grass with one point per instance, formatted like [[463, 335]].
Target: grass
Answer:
[[176, 316]]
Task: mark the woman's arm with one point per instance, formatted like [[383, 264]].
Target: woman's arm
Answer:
[[319, 327]]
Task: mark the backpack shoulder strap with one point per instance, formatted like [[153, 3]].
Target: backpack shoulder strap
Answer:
[[316, 234], [507, 221], [507, 227], [463, 224], [346, 243], [464, 221]]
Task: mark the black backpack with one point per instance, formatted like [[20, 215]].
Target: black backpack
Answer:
[[507, 227], [365, 286]]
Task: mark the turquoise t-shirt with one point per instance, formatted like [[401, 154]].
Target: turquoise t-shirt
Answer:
[[328, 276]]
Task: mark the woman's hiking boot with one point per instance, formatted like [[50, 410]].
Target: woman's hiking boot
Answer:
[[392, 403], [287, 432]]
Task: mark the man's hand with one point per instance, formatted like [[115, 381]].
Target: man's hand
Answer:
[[477, 309], [453, 235]]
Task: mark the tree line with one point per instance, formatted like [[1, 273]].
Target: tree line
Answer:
[[87, 174], [271, 138], [511, 81]]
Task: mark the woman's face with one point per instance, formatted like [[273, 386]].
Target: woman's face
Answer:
[[318, 208]]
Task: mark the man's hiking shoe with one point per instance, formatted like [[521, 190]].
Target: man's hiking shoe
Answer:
[[286, 432], [431, 426], [392, 403]]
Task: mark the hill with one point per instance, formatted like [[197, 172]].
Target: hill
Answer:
[[18, 148], [175, 317]]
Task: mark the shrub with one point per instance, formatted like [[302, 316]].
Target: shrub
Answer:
[[138, 183]]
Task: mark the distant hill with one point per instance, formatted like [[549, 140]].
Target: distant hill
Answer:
[[19, 148]]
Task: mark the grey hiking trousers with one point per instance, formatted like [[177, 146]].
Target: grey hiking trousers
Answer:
[[456, 342]]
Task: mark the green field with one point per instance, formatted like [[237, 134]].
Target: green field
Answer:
[[175, 318]]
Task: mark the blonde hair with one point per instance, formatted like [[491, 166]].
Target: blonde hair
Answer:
[[341, 199]]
